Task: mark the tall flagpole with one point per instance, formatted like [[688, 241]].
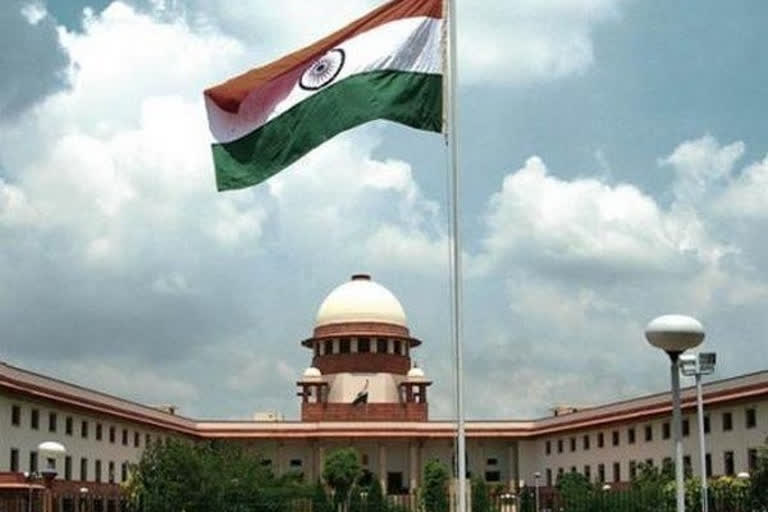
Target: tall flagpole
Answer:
[[453, 149]]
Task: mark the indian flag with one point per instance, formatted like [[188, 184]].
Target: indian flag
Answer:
[[386, 65]]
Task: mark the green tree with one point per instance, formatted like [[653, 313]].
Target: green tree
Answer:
[[376, 501], [575, 490], [199, 477], [435, 486], [341, 471], [320, 501], [759, 480], [481, 502]]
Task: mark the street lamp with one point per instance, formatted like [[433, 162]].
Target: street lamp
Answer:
[[675, 334], [50, 451], [536, 478], [696, 366]]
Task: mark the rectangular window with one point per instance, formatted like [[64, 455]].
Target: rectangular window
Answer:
[[14, 460], [600, 440], [632, 469], [67, 467], [616, 472], [687, 466], [344, 346], [52, 422], [708, 464], [706, 424], [125, 437], [615, 437], [328, 347], [492, 461], [631, 436], [398, 346], [573, 444], [649, 462], [548, 447], [751, 417], [111, 434], [573, 469], [549, 477], [381, 345], [686, 427], [83, 469], [601, 473], [296, 463], [68, 425], [111, 472], [84, 429], [136, 439], [493, 476], [728, 465], [15, 415], [123, 471], [97, 470], [33, 461], [665, 430], [588, 472], [752, 459], [34, 419], [147, 439], [585, 442], [727, 422], [363, 345], [99, 431], [648, 433], [667, 465], [559, 446]]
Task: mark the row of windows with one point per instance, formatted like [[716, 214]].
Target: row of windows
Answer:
[[97, 467], [364, 345], [750, 421], [69, 424], [729, 467]]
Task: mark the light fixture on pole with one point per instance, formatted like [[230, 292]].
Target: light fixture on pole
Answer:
[[50, 451], [675, 334], [696, 365], [536, 478]]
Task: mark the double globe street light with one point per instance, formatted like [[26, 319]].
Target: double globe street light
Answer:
[[675, 334]]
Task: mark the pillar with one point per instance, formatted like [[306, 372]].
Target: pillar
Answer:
[[413, 466], [512, 480], [383, 467]]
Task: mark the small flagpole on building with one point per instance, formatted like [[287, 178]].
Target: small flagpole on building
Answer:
[[456, 331]]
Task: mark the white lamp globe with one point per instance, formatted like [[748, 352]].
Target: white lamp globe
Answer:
[[674, 333]]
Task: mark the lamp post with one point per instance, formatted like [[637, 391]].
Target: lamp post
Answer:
[[696, 366], [536, 478], [50, 451], [675, 334]]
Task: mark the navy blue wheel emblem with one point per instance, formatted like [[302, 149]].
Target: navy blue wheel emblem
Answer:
[[323, 71]]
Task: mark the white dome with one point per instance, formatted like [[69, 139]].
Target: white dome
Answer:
[[360, 300], [312, 372], [415, 373]]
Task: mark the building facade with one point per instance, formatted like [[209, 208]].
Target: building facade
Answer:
[[363, 390]]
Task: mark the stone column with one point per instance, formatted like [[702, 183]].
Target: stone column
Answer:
[[383, 467], [511, 476], [413, 466]]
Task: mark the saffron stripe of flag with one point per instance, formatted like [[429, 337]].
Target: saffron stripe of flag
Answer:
[[386, 65]]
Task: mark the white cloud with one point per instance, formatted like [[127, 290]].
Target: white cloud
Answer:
[[700, 165], [747, 196], [588, 223], [499, 42], [34, 13]]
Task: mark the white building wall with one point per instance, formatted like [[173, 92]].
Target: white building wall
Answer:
[[738, 440], [26, 439]]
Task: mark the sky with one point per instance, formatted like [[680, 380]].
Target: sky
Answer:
[[614, 168]]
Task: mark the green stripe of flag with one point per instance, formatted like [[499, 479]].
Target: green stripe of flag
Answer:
[[413, 99]]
